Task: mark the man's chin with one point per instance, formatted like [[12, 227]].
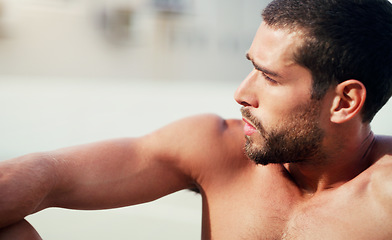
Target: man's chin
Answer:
[[256, 154]]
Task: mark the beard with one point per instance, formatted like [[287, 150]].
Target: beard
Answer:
[[296, 139]]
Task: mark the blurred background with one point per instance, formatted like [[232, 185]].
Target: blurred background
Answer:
[[154, 39], [77, 71]]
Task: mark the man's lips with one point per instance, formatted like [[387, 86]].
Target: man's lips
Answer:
[[249, 129]]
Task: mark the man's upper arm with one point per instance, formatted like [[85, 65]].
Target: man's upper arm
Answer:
[[129, 171]]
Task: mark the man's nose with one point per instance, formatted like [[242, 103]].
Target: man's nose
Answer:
[[246, 93]]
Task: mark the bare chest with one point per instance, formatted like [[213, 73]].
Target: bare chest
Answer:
[[339, 218], [277, 212]]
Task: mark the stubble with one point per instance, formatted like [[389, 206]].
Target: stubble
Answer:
[[297, 138]]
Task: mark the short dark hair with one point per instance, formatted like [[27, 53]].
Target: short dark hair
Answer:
[[342, 40]]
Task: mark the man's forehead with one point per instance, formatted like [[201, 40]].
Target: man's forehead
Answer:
[[274, 47]]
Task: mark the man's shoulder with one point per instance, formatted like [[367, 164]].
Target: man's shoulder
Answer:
[[200, 138], [213, 130], [208, 146], [381, 174], [382, 153], [211, 121], [213, 126], [384, 142]]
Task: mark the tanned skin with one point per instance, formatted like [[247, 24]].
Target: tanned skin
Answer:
[[346, 194]]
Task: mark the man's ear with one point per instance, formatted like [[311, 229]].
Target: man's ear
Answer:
[[349, 99]]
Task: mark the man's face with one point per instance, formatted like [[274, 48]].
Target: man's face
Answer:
[[297, 138], [281, 120]]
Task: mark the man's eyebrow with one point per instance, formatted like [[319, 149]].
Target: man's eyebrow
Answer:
[[262, 69]]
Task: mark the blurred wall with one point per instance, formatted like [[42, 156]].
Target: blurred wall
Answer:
[[122, 39]]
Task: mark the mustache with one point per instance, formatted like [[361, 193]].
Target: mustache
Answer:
[[256, 122]]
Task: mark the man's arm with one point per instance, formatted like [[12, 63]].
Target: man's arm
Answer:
[[99, 175], [19, 231], [111, 173]]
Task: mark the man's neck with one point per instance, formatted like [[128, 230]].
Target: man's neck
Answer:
[[338, 168]]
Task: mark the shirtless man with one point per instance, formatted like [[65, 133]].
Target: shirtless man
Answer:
[[316, 171]]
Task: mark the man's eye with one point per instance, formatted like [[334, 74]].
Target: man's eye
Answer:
[[268, 78]]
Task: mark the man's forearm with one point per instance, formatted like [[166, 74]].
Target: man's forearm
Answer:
[[19, 230], [25, 183]]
